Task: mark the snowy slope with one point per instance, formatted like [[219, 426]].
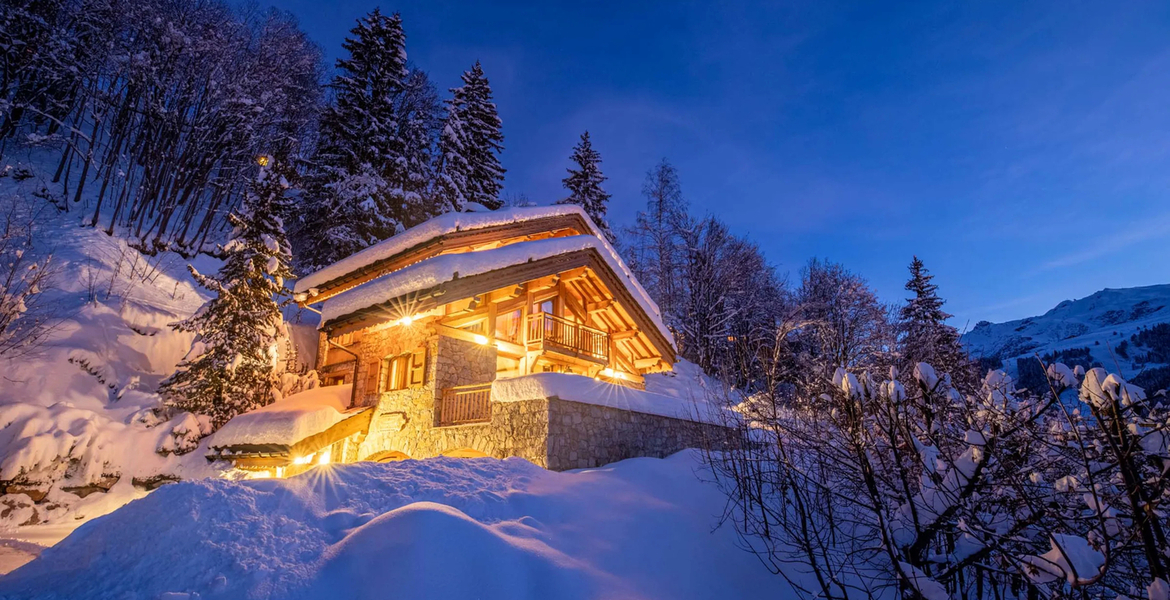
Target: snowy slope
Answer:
[[1100, 322], [75, 415], [78, 415], [437, 528]]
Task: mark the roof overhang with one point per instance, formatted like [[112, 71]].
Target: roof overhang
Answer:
[[425, 300], [366, 270]]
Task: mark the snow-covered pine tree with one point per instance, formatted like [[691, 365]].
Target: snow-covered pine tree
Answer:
[[926, 337], [469, 167], [419, 113], [584, 184], [230, 368], [356, 199]]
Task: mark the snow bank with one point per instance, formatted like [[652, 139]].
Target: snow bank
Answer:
[[289, 420], [437, 528], [590, 391], [444, 268]]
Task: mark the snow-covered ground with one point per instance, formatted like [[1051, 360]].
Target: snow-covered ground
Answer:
[[1099, 322], [435, 528], [77, 414]]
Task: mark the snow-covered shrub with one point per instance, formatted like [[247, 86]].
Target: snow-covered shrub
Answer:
[[936, 492]]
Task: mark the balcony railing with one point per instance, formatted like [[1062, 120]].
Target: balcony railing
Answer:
[[466, 404], [557, 334]]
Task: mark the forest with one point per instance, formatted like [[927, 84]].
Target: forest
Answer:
[[866, 429]]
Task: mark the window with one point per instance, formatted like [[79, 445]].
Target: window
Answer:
[[508, 326], [402, 371], [545, 307]]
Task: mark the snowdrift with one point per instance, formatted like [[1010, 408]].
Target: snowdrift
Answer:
[[437, 528]]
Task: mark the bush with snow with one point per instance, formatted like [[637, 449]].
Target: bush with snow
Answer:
[[937, 492]]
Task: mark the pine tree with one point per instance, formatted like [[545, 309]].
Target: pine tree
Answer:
[[469, 167], [359, 195], [584, 184], [419, 112], [230, 368], [926, 337]]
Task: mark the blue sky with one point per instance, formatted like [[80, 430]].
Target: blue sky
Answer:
[[1021, 149]]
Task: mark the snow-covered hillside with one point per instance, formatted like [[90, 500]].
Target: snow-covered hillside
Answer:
[[1102, 323], [79, 433], [437, 528]]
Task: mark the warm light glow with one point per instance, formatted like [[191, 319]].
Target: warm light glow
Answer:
[[407, 320], [259, 475], [303, 460], [481, 340], [607, 372], [262, 160], [324, 457]]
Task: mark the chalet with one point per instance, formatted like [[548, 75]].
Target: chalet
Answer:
[[509, 333]]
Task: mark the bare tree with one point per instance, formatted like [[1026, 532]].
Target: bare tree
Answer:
[[24, 277]]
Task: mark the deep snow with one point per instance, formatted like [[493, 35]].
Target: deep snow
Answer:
[[435, 528]]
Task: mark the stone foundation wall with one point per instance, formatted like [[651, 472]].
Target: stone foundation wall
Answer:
[[405, 420], [553, 433], [584, 435]]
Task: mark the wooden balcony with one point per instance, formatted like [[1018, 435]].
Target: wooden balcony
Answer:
[[551, 333], [465, 404]]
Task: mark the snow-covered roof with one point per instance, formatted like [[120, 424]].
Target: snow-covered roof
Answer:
[[433, 228], [444, 268], [578, 388], [287, 421]]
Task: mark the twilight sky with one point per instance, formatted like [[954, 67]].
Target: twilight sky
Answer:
[[1021, 149]]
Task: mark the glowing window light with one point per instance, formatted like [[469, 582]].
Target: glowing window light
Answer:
[[481, 340], [303, 460], [262, 160], [324, 457]]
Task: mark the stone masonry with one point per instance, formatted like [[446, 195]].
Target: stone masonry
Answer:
[[552, 433]]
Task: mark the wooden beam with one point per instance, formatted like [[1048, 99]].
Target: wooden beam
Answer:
[[544, 283], [574, 274], [596, 307], [625, 335], [462, 319], [646, 363], [572, 303], [508, 293], [460, 334]]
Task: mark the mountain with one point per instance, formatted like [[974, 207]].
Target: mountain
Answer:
[[1126, 330]]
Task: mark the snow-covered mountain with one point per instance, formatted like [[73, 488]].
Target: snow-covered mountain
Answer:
[[1114, 328]]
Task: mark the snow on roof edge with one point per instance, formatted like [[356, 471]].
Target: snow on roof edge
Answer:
[[287, 421], [441, 269], [578, 388], [427, 230]]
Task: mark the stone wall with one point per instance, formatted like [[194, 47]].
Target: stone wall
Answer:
[[585, 435], [404, 421], [553, 433]]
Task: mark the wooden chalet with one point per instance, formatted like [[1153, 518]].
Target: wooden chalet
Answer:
[[426, 324]]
